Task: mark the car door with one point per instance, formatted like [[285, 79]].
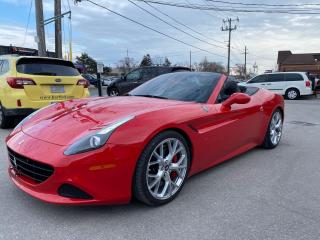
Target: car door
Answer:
[[232, 130], [276, 83], [148, 74], [131, 81]]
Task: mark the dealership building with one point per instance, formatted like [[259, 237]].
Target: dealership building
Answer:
[[301, 62]]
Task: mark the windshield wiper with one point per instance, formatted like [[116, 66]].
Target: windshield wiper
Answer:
[[149, 96]]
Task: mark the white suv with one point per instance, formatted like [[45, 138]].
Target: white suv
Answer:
[[290, 84]]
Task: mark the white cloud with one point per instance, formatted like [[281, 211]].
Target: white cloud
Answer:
[[107, 37]]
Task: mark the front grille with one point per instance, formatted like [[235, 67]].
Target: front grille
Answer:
[[39, 172]]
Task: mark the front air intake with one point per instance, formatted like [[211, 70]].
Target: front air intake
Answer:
[[70, 191]]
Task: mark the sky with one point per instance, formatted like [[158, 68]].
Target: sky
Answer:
[[109, 38]]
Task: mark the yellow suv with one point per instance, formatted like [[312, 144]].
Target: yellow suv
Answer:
[[30, 83]]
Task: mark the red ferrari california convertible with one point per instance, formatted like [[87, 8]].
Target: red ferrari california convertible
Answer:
[[143, 145]]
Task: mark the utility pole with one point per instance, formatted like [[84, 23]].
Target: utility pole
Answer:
[[255, 68], [190, 60], [41, 39], [58, 35], [245, 60], [229, 28], [70, 37]]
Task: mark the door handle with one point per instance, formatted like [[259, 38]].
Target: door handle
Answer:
[[263, 84], [268, 83]]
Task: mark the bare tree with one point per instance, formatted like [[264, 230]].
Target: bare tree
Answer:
[[207, 66], [126, 64]]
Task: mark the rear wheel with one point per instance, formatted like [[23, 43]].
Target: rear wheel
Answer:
[[5, 121], [274, 132], [113, 92], [292, 94], [162, 169]]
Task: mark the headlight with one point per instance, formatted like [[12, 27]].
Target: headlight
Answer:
[[96, 139]]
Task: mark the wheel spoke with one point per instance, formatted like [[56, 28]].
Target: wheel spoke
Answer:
[[179, 174], [164, 190], [157, 155], [174, 148], [157, 187], [158, 179], [158, 161], [175, 166], [161, 151], [182, 158]]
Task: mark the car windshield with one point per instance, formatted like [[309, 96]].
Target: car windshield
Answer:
[[182, 86]]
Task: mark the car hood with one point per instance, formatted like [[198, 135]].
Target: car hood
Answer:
[[65, 122]]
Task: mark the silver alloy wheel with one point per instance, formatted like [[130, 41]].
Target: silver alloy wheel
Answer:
[[114, 92], [292, 94], [167, 168], [276, 128]]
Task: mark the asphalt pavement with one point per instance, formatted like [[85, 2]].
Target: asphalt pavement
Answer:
[[262, 194]]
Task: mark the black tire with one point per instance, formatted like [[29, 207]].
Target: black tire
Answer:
[[267, 143], [113, 91], [140, 185], [5, 121], [292, 94]]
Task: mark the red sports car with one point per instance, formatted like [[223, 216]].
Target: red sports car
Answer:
[[143, 145]]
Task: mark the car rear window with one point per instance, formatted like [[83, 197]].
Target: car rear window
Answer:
[[293, 77], [46, 67]]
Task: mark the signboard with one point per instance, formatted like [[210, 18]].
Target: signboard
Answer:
[[99, 67]]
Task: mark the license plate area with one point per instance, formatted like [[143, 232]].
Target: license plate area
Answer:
[[57, 89]]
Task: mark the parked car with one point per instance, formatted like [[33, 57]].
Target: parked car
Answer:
[[144, 145], [106, 81], [91, 78], [138, 76], [30, 83], [290, 84]]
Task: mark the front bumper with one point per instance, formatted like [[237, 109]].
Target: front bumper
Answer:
[[102, 174]]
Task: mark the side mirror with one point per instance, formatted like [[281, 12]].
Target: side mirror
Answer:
[[236, 98]]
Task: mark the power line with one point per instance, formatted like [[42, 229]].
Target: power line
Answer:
[[267, 5], [217, 11], [228, 9], [28, 21], [179, 29], [205, 12], [182, 24], [150, 28]]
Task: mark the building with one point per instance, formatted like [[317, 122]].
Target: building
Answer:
[[21, 51], [302, 62]]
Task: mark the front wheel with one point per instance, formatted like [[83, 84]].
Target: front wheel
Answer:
[[162, 169], [113, 92], [274, 132], [5, 121]]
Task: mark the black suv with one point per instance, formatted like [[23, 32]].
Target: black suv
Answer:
[[137, 77]]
